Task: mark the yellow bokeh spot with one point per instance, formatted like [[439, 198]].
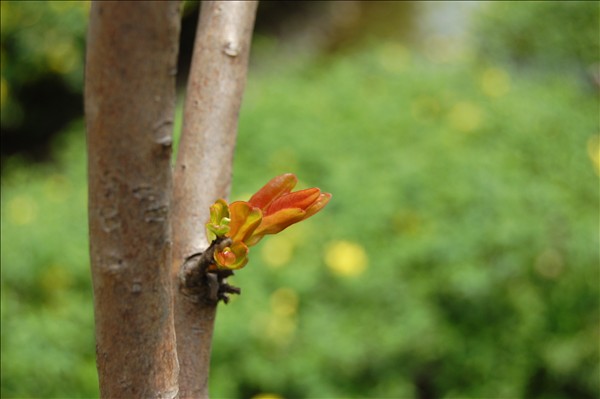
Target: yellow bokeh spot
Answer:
[[495, 82], [284, 302], [593, 147], [22, 210], [267, 396], [277, 251], [465, 116], [346, 258]]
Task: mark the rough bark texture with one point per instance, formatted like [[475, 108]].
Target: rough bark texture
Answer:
[[203, 169], [129, 105]]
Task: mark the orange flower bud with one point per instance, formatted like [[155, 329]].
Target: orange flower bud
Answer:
[[272, 209]]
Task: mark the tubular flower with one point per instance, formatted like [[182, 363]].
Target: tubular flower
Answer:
[[272, 209]]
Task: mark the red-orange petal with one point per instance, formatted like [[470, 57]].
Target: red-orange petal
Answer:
[[300, 199], [274, 189], [244, 219], [278, 221], [318, 204]]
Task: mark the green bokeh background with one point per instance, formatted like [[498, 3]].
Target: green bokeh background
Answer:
[[459, 255]]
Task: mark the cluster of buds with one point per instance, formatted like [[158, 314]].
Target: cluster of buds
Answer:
[[244, 223]]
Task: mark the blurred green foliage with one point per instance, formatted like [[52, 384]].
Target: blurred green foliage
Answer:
[[458, 257], [39, 39], [554, 34], [470, 191], [47, 312]]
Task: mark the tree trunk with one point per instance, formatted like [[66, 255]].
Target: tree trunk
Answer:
[[203, 168], [129, 105]]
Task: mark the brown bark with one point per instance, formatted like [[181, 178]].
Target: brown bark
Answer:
[[203, 169], [129, 105]]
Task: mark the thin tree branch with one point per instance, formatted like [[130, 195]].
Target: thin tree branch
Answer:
[[129, 104], [203, 168]]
